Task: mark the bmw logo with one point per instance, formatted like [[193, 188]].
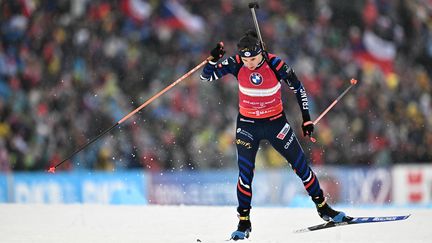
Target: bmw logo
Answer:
[[256, 78]]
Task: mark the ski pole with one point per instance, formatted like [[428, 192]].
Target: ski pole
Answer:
[[52, 169], [353, 82], [253, 6]]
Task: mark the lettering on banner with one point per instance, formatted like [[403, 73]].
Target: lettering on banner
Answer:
[[370, 186], [37, 193], [101, 192], [193, 194], [415, 182]]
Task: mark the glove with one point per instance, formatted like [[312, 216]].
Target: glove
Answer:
[[308, 128], [217, 52]]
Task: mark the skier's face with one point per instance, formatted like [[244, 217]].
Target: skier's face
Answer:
[[252, 62]]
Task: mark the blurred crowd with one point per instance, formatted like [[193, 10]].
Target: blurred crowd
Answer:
[[69, 70]]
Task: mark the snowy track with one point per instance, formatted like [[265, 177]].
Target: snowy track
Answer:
[[184, 224]]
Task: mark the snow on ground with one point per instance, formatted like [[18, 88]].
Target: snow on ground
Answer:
[[184, 224]]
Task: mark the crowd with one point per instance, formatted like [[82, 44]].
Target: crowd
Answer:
[[71, 69]]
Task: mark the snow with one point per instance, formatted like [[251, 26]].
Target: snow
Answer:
[[183, 224]]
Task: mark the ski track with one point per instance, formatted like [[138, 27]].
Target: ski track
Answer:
[[206, 224]]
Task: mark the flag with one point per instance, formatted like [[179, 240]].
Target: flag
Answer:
[[28, 7], [138, 10], [378, 52], [176, 16]]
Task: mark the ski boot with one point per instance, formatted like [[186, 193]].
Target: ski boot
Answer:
[[327, 213], [244, 226]]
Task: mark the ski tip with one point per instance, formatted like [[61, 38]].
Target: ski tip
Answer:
[[300, 231]]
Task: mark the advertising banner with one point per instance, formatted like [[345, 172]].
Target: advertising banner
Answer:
[[355, 185], [3, 188], [115, 188], [193, 188], [270, 188], [282, 187], [412, 184]]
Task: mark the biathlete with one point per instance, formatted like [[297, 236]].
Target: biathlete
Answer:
[[260, 76]]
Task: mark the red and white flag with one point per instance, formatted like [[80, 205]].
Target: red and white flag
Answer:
[[139, 10]]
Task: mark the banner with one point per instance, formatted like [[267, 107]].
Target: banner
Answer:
[[402, 185], [412, 184], [3, 188], [81, 187], [272, 187], [193, 188], [356, 185]]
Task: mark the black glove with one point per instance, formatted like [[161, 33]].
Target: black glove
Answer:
[[308, 128], [217, 52]]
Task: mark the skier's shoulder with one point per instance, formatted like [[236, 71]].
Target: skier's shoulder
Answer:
[[233, 62], [275, 61]]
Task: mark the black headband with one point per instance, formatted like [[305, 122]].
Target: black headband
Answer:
[[248, 52]]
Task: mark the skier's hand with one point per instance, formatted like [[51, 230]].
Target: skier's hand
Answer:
[[308, 128], [217, 52]]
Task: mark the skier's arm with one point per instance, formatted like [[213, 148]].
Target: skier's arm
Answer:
[[287, 74], [214, 70]]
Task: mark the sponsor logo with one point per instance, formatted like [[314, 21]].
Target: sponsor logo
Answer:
[[243, 143], [245, 133], [391, 218], [256, 78], [289, 141], [281, 135], [246, 120], [247, 54]]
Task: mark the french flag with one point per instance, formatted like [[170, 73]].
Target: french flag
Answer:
[[174, 15], [138, 10]]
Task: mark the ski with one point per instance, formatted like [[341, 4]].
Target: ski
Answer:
[[354, 220]]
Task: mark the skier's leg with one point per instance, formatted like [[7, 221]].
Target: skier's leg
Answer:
[[286, 143], [247, 146]]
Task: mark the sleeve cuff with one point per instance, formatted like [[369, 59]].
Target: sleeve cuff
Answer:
[[306, 116]]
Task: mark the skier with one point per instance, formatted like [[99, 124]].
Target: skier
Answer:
[[261, 116]]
